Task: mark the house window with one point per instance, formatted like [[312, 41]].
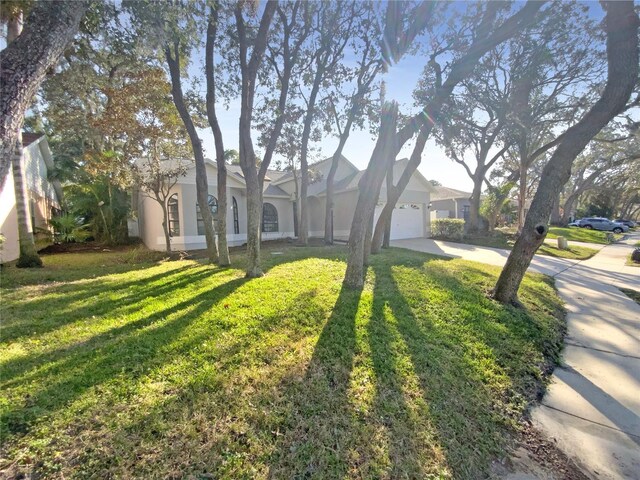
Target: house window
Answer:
[[269, 218], [173, 216], [236, 222], [465, 212], [213, 206]]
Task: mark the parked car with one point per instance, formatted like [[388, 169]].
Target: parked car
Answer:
[[599, 223], [575, 223], [628, 223]]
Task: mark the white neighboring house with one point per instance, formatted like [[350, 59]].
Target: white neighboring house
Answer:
[[43, 195], [410, 218]]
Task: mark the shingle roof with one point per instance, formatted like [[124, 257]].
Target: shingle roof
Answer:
[[29, 138], [275, 190], [446, 193]]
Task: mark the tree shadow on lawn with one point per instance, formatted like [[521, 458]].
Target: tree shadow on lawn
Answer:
[[105, 296], [126, 350], [478, 363], [211, 411], [450, 379]]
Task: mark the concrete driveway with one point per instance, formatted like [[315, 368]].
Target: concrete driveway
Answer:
[[592, 407]]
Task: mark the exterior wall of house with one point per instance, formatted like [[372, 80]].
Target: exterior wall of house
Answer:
[[456, 208], [41, 195], [8, 222], [150, 219], [150, 214]]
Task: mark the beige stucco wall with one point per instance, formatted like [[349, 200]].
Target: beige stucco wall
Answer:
[[150, 219], [150, 213], [41, 198], [8, 221]]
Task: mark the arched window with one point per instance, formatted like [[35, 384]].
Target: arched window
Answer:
[[269, 218], [213, 206], [173, 216], [236, 223]]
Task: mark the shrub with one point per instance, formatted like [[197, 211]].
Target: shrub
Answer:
[[68, 228], [635, 255], [452, 228]]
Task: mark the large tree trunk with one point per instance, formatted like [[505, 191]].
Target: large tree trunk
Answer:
[[369, 186], [474, 203], [555, 211], [303, 227], [172, 56], [621, 24], [28, 255], [165, 226], [522, 195], [335, 161], [459, 70], [253, 182], [223, 248], [24, 63]]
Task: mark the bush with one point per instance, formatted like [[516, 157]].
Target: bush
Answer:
[[452, 228], [635, 255], [68, 228]]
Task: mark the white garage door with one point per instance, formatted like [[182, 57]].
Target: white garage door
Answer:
[[407, 221]]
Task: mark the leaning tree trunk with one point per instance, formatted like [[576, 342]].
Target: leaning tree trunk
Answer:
[[223, 248], [328, 213], [555, 212], [165, 227], [474, 204], [303, 227], [386, 241], [459, 70], [621, 24], [172, 57], [394, 194], [369, 186], [24, 63], [28, 255]]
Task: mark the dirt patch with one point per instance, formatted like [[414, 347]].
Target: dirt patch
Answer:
[[534, 457], [85, 247]]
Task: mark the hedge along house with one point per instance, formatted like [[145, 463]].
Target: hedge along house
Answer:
[[410, 218], [44, 196]]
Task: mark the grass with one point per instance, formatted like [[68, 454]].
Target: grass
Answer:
[[506, 241], [581, 235], [630, 262], [115, 367], [632, 294]]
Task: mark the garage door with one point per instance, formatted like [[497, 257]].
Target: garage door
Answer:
[[407, 221]]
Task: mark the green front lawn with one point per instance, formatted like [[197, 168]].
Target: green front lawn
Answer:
[[501, 240], [118, 369], [632, 294], [576, 234]]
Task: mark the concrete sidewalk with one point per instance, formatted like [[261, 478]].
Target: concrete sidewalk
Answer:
[[592, 407]]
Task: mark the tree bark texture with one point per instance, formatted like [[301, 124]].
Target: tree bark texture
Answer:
[[24, 63], [172, 56], [369, 186], [621, 25], [223, 248], [249, 71]]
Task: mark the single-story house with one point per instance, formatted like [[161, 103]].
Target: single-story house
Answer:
[[44, 195], [410, 218], [450, 203]]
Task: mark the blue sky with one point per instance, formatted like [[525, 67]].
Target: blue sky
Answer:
[[400, 83]]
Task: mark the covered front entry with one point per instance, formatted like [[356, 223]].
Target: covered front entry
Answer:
[[407, 221]]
